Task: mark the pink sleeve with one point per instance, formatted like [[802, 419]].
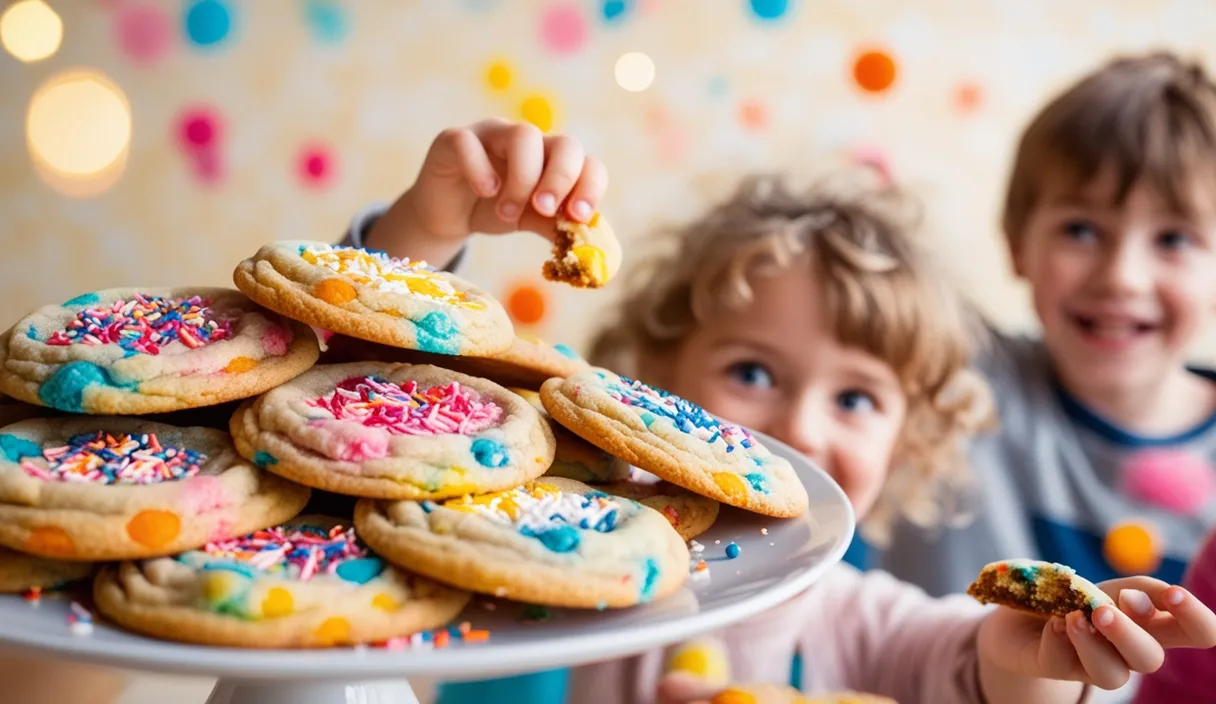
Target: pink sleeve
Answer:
[[1188, 675]]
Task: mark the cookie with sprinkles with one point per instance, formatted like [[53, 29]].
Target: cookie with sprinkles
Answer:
[[676, 440], [310, 583], [20, 572], [553, 542], [136, 351], [1045, 588], [573, 457], [394, 431], [372, 296], [689, 513], [112, 488]]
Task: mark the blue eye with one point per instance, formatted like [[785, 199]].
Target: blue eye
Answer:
[[751, 374], [855, 401], [1081, 230], [1174, 240]]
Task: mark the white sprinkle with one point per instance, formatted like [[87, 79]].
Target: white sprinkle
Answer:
[[764, 531], [500, 592], [717, 542], [81, 628]]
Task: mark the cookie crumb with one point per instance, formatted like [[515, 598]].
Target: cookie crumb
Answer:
[[764, 531]]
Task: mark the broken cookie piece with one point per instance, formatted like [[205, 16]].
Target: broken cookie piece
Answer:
[[586, 255]]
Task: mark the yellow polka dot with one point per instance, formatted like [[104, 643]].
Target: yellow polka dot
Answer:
[[333, 631], [154, 529], [1130, 548], [219, 585], [705, 662], [539, 111], [592, 260], [732, 485], [278, 602], [498, 76], [50, 540], [239, 365], [384, 602], [335, 291], [734, 696]]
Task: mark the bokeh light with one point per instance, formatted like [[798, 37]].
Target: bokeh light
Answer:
[[30, 30], [538, 110], [498, 76], [634, 71], [1132, 547], [78, 130], [874, 71], [525, 303]]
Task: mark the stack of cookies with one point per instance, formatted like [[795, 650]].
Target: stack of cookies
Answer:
[[451, 457]]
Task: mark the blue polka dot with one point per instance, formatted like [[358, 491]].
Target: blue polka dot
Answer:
[[437, 333], [650, 581], [566, 351], [360, 571], [616, 10], [559, 539], [208, 22], [329, 21], [718, 86], [16, 449], [769, 9], [263, 459], [490, 453], [64, 391], [84, 299]]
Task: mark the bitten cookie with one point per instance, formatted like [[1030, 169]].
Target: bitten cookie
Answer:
[[109, 488], [554, 542], [586, 255], [19, 572], [394, 431], [690, 514], [1045, 588], [575, 458], [308, 584], [372, 296], [676, 440], [136, 351]]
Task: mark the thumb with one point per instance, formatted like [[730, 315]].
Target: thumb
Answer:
[[683, 688]]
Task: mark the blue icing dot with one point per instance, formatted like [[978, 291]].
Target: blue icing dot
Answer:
[[615, 10], [241, 568], [327, 19], [437, 333], [361, 571], [490, 453], [769, 9], [648, 418], [428, 506], [566, 351], [303, 249], [84, 299], [607, 523], [16, 449], [32, 333], [65, 389], [595, 494], [208, 22], [262, 458], [758, 481], [559, 539], [650, 581]]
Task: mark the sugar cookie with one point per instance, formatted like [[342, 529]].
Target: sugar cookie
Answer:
[[575, 458], [136, 351], [676, 440], [555, 542], [394, 431], [19, 572], [308, 584], [110, 488], [690, 514], [586, 255], [1045, 588], [371, 296]]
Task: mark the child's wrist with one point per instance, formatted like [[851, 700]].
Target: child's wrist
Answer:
[[399, 233]]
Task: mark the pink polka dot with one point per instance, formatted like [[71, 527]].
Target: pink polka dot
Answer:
[[315, 165], [143, 32], [1170, 479], [199, 128], [563, 28]]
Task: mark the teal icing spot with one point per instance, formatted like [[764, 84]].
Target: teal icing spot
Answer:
[[16, 449], [245, 570], [64, 391], [490, 453], [758, 461], [565, 351], [437, 333], [361, 571], [262, 458], [650, 582], [648, 418], [32, 333], [559, 539], [758, 481], [303, 248], [84, 299], [596, 494]]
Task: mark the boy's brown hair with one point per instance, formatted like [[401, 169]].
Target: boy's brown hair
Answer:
[[1150, 117]]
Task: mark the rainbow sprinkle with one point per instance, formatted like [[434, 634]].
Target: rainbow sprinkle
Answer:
[[101, 458], [302, 552], [687, 416], [438, 638], [146, 324], [406, 410], [80, 621], [384, 273]]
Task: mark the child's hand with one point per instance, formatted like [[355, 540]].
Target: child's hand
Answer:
[[491, 177], [1152, 617]]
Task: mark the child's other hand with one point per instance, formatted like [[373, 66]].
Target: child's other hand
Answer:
[[686, 688], [491, 177], [1151, 618]]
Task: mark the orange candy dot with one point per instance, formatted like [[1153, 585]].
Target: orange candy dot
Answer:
[[526, 304], [240, 365], [335, 291], [154, 529], [1130, 548], [278, 602], [734, 696], [732, 485], [874, 71], [384, 602], [50, 540], [332, 631]]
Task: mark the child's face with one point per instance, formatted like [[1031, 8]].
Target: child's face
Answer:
[[775, 367], [1120, 290]]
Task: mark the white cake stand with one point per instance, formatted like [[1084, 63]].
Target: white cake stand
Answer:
[[777, 559]]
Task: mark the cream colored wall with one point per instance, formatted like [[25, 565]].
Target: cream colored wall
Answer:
[[410, 68]]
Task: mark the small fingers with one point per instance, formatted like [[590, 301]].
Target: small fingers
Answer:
[[521, 148], [563, 165], [1140, 651], [585, 197], [1195, 619], [684, 688], [460, 149], [1057, 659], [1103, 665]]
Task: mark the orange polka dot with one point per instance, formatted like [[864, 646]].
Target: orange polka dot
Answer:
[[1130, 548], [50, 540], [526, 304], [874, 71], [732, 485], [278, 602], [384, 602], [734, 696], [753, 115], [335, 291], [332, 631], [968, 96], [154, 529], [240, 365]]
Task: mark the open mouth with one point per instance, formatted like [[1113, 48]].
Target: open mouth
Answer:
[[1114, 329]]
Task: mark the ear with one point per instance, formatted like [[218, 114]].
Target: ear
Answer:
[[1017, 252]]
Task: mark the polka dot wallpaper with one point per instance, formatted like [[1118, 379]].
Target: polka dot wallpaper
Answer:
[[159, 142]]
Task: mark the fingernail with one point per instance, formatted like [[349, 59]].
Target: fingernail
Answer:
[[1137, 601], [581, 210], [1174, 596], [1104, 616], [508, 211], [492, 185], [1057, 624], [546, 203]]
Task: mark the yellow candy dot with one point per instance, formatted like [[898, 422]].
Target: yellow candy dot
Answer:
[[219, 584], [278, 602], [335, 291], [732, 485], [593, 260], [154, 529], [332, 631], [240, 365], [734, 696], [537, 110], [706, 662], [1130, 548], [498, 76], [50, 540], [384, 602]]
